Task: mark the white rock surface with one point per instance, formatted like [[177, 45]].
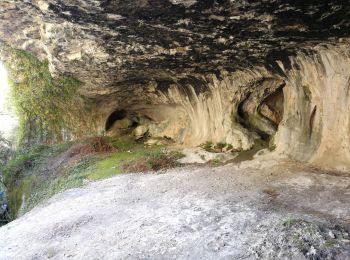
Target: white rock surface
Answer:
[[204, 213]]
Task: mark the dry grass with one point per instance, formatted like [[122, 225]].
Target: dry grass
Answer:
[[152, 162], [101, 145], [95, 145]]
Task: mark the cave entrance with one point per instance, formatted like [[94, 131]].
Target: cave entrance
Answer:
[[9, 120], [121, 122], [115, 116], [272, 107], [262, 114]]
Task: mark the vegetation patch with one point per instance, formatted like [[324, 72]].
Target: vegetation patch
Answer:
[[25, 170], [217, 147], [153, 161], [34, 175], [301, 239], [215, 162], [49, 108], [315, 240]]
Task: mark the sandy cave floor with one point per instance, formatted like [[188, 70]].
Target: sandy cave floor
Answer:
[[261, 209]]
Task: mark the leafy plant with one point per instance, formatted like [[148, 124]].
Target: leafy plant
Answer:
[[289, 222], [5, 150], [48, 108]]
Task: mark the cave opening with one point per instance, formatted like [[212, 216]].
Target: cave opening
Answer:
[[262, 115], [8, 118], [121, 122], [115, 116], [272, 107]]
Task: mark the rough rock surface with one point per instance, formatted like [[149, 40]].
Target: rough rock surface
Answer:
[[261, 209], [195, 71], [107, 43]]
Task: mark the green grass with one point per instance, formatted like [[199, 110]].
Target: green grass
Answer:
[[111, 165], [289, 222], [208, 146], [26, 175], [215, 162], [18, 172]]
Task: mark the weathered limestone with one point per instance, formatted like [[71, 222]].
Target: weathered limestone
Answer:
[[316, 121], [234, 72]]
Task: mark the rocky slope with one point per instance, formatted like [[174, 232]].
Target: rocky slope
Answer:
[[260, 209], [196, 71]]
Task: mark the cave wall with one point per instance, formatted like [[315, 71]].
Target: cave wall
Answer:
[[316, 124], [243, 107], [213, 114], [237, 72], [225, 108]]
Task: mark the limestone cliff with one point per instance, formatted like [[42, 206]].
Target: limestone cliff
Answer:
[[196, 71]]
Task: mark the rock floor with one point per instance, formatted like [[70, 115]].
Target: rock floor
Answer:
[[261, 209]]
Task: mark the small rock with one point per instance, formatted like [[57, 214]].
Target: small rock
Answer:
[[122, 124], [151, 142], [312, 251], [331, 234], [140, 131]]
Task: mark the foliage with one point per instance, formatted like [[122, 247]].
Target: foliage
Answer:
[[30, 180], [21, 171], [5, 150], [49, 109], [217, 147], [289, 222], [153, 161]]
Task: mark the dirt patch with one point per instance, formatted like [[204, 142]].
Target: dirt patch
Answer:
[[93, 145], [273, 193]]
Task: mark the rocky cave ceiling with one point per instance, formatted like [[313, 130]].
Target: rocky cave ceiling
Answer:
[[109, 44]]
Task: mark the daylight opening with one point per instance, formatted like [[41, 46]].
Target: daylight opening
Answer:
[[8, 121]]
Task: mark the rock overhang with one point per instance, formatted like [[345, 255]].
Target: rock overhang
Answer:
[[195, 71], [111, 43]]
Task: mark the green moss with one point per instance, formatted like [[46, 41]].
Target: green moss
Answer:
[[22, 176], [110, 166], [126, 143], [15, 195], [29, 179], [46, 106]]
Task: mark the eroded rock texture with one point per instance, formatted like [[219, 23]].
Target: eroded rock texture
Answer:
[[316, 123], [194, 71]]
